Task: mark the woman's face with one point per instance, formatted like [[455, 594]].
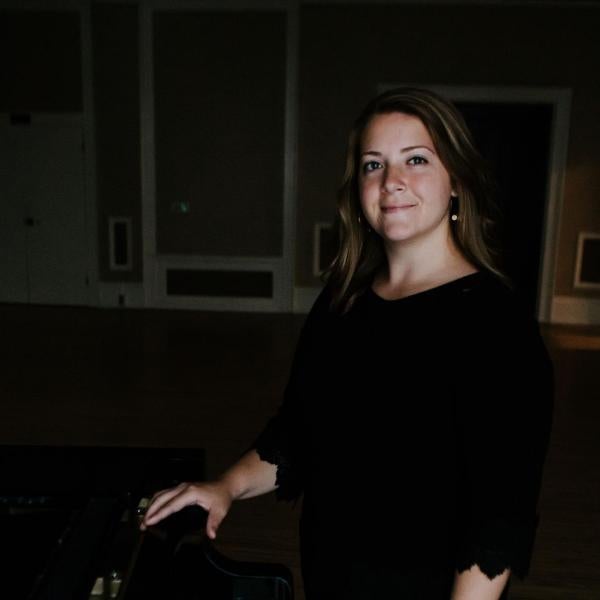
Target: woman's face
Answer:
[[404, 187]]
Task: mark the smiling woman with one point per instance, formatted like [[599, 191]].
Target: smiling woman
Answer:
[[418, 409], [416, 206]]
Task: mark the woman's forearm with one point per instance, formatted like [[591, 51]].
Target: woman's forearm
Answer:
[[250, 476], [475, 585]]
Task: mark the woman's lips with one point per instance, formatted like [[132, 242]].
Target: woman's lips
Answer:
[[393, 209]]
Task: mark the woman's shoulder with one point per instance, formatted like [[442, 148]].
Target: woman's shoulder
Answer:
[[492, 312], [319, 317], [488, 285], [325, 305], [322, 302], [489, 295]]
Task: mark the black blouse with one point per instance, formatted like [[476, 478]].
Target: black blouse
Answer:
[[416, 429]]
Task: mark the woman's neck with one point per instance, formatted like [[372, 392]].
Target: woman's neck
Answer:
[[411, 267]]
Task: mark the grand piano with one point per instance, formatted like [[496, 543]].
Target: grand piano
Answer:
[[70, 523]]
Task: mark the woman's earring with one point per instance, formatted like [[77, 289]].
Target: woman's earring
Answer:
[[454, 208]]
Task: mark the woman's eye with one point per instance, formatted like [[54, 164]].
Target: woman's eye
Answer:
[[419, 158], [371, 166]]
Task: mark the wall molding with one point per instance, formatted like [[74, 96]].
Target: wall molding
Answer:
[[575, 310], [120, 294], [163, 262], [89, 154]]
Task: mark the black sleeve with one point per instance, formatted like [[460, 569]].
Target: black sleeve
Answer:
[[282, 440], [505, 400]]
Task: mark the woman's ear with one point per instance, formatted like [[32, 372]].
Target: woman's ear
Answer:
[[453, 187]]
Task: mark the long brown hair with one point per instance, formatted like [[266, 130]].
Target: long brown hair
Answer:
[[477, 230]]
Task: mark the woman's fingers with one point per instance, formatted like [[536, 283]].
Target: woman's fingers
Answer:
[[161, 498], [167, 503], [215, 499], [213, 522], [180, 500]]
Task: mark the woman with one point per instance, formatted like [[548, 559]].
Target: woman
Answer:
[[416, 419]]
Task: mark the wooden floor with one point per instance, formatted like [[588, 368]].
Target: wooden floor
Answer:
[[194, 379]]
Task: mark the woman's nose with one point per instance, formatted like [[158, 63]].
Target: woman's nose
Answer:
[[393, 180]]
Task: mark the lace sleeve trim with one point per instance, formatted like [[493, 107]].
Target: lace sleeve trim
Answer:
[[498, 545], [288, 481], [490, 563]]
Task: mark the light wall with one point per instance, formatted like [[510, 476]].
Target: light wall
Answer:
[[345, 51]]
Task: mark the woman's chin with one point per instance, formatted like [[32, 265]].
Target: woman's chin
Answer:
[[395, 234]]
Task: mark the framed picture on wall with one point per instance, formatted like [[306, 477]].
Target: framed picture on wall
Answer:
[[587, 264]]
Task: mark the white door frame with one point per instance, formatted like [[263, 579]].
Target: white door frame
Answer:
[[89, 155], [281, 267], [560, 100]]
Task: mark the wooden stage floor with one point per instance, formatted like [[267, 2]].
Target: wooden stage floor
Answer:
[[127, 377]]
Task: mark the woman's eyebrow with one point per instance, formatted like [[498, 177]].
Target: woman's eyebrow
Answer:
[[414, 147], [408, 148]]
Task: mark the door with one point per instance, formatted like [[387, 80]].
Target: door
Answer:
[[515, 138], [44, 244]]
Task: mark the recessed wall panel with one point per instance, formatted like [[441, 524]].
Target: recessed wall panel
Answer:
[[219, 84]]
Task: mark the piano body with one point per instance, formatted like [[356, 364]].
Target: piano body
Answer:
[[70, 522]]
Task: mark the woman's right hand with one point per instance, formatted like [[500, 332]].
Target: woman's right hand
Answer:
[[212, 496]]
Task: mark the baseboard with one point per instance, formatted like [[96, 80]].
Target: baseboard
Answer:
[[123, 294], [574, 310]]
